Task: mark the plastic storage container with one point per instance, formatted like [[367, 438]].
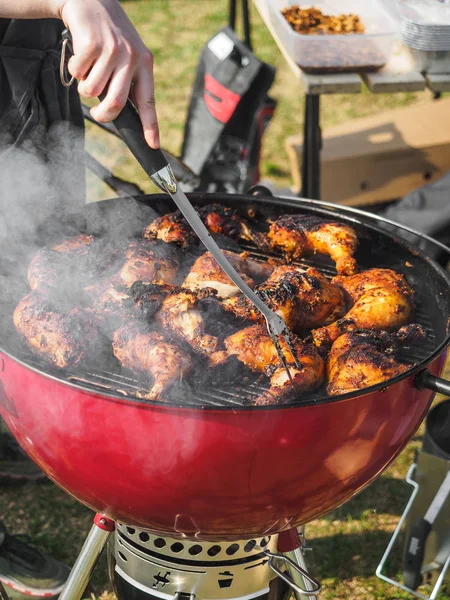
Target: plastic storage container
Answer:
[[338, 53]]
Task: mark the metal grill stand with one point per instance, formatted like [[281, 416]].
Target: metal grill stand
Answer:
[[87, 559], [290, 544], [145, 566]]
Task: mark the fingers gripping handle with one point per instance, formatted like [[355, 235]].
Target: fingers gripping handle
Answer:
[[129, 125]]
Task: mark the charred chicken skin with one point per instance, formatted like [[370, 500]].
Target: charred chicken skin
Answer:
[[64, 260], [217, 218], [304, 298], [63, 336], [227, 221], [206, 273], [180, 317], [300, 235], [152, 354], [149, 262], [112, 302], [381, 300], [254, 348], [172, 229], [363, 358], [173, 308]]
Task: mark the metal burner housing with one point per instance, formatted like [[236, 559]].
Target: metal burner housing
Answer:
[[145, 565]]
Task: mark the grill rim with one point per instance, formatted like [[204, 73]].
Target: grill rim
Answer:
[[335, 212]]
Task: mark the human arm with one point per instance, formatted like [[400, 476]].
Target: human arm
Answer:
[[108, 52]]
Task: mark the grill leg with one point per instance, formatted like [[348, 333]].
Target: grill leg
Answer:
[[87, 559], [290, 545]]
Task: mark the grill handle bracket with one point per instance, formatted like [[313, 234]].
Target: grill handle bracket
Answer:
[[311, 583], [425, 380]]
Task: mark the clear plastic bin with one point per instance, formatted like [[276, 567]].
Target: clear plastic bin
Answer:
[[338, 53]]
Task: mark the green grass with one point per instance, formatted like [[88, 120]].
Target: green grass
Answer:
[[349, 542]]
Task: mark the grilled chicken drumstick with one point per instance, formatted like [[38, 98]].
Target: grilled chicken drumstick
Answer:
[[206, 273], [216, 217], [304, 298], [381, 298], [151, 353], [254, 348], [62, 335], [363, 358], [300, 235]]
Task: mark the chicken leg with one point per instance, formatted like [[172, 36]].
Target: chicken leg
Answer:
[[254, 348], [304, 298], [301, 235], [381, 298]]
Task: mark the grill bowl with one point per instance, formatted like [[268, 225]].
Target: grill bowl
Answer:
[[219, 469]]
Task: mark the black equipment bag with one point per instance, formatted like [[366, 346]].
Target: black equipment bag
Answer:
[[42, 169], [228, 114]]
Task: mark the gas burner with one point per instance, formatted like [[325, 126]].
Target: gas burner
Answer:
[[145, 565]]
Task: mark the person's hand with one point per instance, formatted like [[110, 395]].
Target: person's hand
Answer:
[[108, 52]]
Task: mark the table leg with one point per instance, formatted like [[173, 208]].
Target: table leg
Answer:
[[232, 14], [312, 144]]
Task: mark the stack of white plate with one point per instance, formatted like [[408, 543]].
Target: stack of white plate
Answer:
[[425, 24]]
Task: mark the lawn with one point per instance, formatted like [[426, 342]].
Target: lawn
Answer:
[[348, 543]]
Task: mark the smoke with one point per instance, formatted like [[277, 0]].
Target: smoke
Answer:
[[41, 182], [42, 191]]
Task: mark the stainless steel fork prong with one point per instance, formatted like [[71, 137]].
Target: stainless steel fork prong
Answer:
[[281, 356], [291, 346], [277, 326]]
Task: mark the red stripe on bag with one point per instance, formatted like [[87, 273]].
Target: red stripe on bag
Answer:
[[220, 101]]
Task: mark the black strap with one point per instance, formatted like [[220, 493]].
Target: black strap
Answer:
[[245, 20]]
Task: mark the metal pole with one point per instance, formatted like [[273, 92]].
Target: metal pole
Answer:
[[232, 14], [290, 545], [298, 557], [246, 20], [313, 140], [87, 559], [304, 192]]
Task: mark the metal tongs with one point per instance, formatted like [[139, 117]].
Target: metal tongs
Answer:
[[154, 163]]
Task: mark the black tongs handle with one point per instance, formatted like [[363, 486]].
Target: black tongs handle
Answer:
[[129, 125]]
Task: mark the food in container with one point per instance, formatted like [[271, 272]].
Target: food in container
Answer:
[[333, 36]]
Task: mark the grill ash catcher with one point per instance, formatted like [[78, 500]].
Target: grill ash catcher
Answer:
[[146, 566]]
